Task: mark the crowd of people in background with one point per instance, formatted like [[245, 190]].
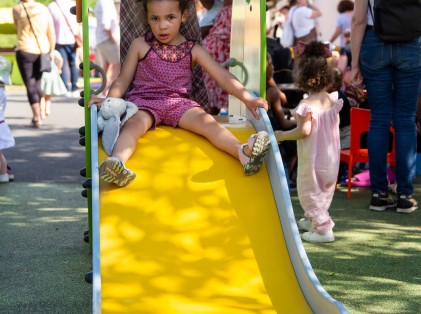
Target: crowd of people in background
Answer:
[[53, 30]]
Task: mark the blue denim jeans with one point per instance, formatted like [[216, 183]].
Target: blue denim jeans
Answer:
[[392, 76], [68, 52]]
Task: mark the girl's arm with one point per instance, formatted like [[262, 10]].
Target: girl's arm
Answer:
[[225, 79], [303, 129]]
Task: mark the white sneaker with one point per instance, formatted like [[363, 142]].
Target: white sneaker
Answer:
[[304, 224], [313, 236], [4, 178], [75, 94]]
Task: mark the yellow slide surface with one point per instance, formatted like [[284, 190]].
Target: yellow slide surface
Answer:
[[193, 234]]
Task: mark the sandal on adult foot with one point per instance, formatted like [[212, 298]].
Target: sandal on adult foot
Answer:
[[259, 144], [35, 123], [112, 170]]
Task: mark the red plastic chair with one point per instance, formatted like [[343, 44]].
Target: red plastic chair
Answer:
[[360, 121]]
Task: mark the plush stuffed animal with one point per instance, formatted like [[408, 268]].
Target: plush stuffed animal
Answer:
[[113, 114]]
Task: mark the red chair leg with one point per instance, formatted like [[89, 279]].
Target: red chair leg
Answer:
[[349, 179]]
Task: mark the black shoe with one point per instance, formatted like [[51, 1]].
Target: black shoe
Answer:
[[406, 204], [381, 201]]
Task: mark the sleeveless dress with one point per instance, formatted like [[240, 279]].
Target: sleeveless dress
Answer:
[[51, 82], [318, 163], [163, 81]]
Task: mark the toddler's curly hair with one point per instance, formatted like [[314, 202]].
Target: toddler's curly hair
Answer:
[[311, 71]]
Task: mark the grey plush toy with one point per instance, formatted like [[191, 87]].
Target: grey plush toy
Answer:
[[113, 114]]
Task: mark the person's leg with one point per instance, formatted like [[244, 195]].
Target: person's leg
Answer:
[[198, 121], [377, 72], [64, 70], [250, 155], [407, 78], [111, 61], [74, 72], [27, 64], [3, 164], [112, 72], [131, 131], [113, 170], [4, 177], [47, 104], [42, 107]]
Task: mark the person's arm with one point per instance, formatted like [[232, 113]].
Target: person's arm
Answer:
[[271, 83], [16, 15], [226, 80], [303, 129], [316, 12], [275, 103], [51, 34], [335, 35], [359, 24]]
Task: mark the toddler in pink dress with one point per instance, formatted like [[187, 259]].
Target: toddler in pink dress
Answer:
[[318, 143]]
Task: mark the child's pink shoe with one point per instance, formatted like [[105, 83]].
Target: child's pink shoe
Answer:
[[259, 144]]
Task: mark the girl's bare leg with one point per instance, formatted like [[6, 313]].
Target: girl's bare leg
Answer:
[[132, 130], [198, 121], [250, 156], [113, 170], [42, 107], [47, 105], [3, 164]]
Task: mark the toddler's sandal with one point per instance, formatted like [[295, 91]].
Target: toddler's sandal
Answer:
[[112, 170], [259, 144]]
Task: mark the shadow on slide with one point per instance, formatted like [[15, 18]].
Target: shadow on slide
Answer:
[[193, 234]]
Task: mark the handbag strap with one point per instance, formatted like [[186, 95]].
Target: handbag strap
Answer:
[[30, 24], [67, 21]]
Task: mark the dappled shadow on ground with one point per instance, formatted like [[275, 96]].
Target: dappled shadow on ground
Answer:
[[47, 157], [373, 267], [42, 253]]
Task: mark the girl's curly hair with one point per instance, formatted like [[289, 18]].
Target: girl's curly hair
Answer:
[[311, 71]]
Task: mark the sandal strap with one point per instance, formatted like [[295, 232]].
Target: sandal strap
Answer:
[[244, 159], [251, 140]]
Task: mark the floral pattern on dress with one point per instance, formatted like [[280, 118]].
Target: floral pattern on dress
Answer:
[[171, 53], [217, 43]]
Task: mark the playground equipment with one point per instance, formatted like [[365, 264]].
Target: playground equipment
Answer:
[[193, 234]]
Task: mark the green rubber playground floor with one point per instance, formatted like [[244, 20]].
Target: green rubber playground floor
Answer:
[[374, 264], [372, 267]]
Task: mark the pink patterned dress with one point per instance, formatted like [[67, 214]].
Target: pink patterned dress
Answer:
[[217, 43], [318, 163], [163, 81]]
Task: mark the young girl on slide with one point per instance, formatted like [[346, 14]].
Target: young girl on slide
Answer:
[[159, 67], [318, 142]]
